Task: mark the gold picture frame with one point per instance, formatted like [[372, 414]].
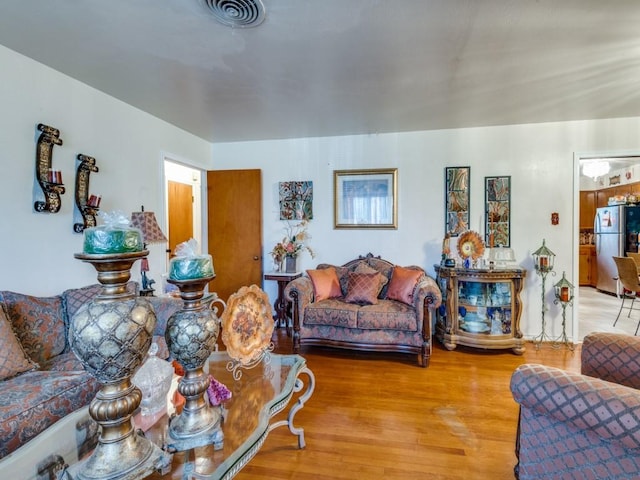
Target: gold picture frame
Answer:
[[366, 198]]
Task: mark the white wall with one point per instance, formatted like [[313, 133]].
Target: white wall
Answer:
[[36, 248], [539, 158]]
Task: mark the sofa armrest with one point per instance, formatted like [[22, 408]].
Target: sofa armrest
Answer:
[[610, 411], [426, 295], [613, 357], [300, 293]]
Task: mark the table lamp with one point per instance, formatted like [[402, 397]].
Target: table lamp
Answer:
[[151, 233]]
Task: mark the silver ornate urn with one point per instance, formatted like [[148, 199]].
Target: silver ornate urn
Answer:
[[191, 336], [111, 336]]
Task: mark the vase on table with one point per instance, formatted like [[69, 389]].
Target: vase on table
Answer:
[[277, 264], [111, 335], [291, 264]]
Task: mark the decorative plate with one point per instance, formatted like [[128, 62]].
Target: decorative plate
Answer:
[[247, 325], [470, 245]]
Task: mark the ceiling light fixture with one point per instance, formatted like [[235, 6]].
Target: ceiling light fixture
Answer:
[[595, 168], [237, 13]]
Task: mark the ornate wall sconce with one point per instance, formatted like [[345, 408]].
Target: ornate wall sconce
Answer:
[[86, 205], [49, 180]]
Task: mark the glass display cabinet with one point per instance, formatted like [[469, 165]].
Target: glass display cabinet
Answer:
[[480, 308]]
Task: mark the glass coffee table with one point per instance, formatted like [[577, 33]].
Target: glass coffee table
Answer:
[[257, 396]]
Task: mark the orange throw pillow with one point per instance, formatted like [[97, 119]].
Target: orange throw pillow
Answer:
[[403, 281], [325, 283]]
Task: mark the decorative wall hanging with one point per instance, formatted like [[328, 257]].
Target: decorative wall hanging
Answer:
[[456, 200], [366, 198], [49, 180], [497, 211], [296, 200], [87, 206]]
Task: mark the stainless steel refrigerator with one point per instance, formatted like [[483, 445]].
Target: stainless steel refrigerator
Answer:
[[616, 231]]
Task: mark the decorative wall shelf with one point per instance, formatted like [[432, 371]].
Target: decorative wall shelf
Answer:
[[87, 206], [50, 180]]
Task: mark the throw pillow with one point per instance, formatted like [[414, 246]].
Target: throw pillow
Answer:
[[38, 324], [364, 268], [402, 283], [13, 360], [363, 288], [325, 283]]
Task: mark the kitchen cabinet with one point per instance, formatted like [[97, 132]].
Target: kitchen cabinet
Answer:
[[587, 266], [587, 208]]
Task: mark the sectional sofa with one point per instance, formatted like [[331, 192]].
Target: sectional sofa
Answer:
[[41, 381]]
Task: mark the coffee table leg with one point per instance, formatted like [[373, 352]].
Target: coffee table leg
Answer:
[[298, 405]]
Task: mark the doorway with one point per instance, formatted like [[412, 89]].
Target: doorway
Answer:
[[183, 209], [590, 302]]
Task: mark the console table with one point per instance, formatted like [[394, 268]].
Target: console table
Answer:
[[259, 394], [480, 307], [280, 305]]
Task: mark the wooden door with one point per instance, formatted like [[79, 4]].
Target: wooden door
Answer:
[[234, 199], [180, 213]]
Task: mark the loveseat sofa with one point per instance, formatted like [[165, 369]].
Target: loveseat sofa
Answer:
[[366, 304], [41, 381], [581, 425]]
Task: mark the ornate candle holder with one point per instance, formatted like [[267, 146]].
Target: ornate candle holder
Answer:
[[543, 260], [111, 336], [564, 297], [191, 336]]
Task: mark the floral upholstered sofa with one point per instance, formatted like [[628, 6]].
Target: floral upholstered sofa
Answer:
[[581, 425], [366, 304], [41, 381]]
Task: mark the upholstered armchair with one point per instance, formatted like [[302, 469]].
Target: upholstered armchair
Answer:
[[576, 426]]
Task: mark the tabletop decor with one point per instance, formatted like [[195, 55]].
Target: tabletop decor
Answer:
[[151, 233], [111, 335], [470, 247], [247, 327], [365, 198], [291, 246], [191, 336]]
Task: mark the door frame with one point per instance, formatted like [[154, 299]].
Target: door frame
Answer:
[[577, 156], [176, 169]]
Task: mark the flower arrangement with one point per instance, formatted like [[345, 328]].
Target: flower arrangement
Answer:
[[293, 243]]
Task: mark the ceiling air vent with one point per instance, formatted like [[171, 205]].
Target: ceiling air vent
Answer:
[[237, 13]]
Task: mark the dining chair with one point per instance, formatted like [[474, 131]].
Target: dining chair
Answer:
[[628, 277], [636, 257]]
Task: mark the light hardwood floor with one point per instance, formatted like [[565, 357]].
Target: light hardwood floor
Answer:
[[381, 416], [598, 311]]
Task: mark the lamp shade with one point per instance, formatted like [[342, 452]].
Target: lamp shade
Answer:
[[147, 223]]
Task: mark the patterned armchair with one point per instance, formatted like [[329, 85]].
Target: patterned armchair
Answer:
[[575, 426]]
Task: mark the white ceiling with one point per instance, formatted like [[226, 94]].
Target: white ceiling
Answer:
[[339, 67]]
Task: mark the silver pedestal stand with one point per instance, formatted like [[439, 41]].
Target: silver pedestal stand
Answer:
[[191, 336], [111, 336]]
